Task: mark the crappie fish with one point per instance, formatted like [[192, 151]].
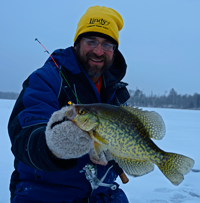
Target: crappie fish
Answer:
[[126, 132]]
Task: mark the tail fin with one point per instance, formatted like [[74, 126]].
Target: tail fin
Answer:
[[175, 167]]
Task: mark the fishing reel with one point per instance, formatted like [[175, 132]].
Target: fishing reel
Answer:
[[91, 175]]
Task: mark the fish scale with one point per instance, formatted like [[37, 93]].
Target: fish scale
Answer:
[[126, 132]]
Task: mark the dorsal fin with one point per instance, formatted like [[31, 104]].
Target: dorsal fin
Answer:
[[152, 121]]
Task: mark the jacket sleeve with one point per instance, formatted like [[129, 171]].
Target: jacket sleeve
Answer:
[[33, 108]]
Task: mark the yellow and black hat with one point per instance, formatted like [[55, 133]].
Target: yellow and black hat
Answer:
[[100, 21]]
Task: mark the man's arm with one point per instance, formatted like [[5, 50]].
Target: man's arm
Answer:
[[28, 121]]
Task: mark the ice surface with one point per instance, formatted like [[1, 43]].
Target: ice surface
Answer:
[[182, 136]]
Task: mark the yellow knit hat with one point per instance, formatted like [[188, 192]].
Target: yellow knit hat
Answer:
[[100, 20]]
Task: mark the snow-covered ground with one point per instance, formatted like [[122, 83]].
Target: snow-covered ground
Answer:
[[182, 136]]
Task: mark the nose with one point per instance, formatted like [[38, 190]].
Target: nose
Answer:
[[98, 50]]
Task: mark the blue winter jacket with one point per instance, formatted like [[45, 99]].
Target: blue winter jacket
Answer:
[[38, 175]]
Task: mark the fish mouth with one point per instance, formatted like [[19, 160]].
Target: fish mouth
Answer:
[[70, 113]]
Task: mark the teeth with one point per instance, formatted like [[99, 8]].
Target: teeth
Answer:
[[96, 60]]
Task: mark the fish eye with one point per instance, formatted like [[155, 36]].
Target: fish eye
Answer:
[[81, 112]]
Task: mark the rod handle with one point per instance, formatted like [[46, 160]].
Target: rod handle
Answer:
[[124, 178]]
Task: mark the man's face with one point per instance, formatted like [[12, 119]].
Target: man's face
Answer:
[[95, 60]]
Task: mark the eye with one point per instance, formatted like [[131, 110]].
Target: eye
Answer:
[[92, 42], [108, 46], [81, 112]]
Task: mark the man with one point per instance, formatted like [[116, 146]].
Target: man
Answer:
[[54, 159]]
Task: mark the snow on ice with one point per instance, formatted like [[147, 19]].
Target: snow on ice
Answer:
[[182, 136]]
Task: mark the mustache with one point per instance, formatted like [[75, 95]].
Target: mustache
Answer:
[[93, 55]]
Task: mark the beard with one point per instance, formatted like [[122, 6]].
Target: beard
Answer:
[[93, 70]]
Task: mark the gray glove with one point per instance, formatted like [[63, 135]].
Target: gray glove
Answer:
[[65, 139], [103, 159]]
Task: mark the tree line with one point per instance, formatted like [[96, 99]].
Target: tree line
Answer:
[[8, 95], [170, 100], [138, 98]]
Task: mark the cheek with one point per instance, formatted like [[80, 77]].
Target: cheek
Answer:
[[84, 51], [84, 54], [109, 56]]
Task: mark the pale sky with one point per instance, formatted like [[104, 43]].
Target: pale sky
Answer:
[[160, 40]]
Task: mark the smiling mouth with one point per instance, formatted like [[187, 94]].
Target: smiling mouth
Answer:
[[96, 60]]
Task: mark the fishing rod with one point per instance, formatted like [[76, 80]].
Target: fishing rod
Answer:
[[47, 52], [60, 73], [119, 171]]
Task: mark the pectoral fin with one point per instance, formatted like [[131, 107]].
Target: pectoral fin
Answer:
[[98, 148], [98, 142], [96, 135]]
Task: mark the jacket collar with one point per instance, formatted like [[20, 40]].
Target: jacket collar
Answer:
[[66, 57]]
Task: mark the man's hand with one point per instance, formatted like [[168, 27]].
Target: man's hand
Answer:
[[65, 139], [103, 159]]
